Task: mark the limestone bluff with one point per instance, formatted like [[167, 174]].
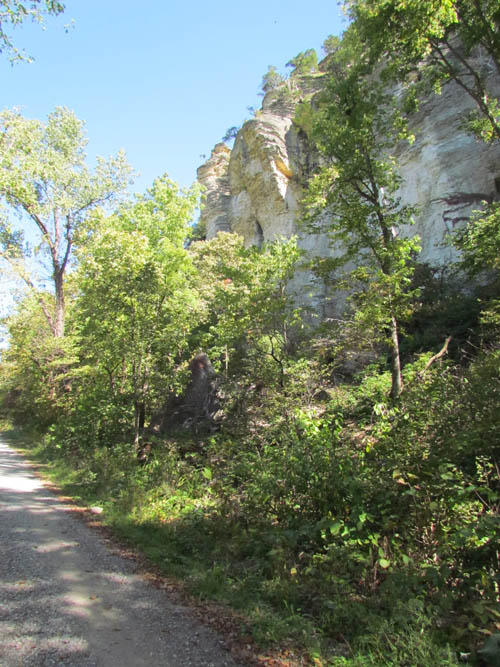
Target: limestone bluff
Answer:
[[256, 188]]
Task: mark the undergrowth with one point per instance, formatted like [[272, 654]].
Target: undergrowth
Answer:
[[359, 531]]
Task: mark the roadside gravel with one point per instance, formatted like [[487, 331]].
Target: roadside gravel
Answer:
[[66, 599]]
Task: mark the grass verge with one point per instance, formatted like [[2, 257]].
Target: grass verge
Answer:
[[273, 592]]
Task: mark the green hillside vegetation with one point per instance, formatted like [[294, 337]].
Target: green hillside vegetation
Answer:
[[336, 485]]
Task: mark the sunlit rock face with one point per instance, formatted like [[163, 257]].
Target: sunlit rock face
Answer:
[[255, 189], [213, 176], [251, 190], [263, 202], [447, 173]]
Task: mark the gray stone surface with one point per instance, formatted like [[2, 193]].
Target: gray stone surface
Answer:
[[446, 174]]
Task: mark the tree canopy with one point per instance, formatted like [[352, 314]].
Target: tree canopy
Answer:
[[444, 40], [305, 62], [45, 181], [272, 79], [15, 12], [135, 308]]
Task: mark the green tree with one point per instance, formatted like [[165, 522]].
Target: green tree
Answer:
[[135, 308], [305, 62], [230, 134], [442, 41], [44, 179], [356, 129], [14, 12], [272, 79], [36, 367], [331, 44], [250, 312], [479, 245]]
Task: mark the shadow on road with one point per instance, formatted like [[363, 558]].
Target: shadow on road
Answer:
[[66, 599]]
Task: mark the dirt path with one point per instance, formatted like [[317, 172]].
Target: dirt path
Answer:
[[66, 599]]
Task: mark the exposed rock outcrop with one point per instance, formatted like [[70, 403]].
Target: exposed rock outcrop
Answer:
[[196, 408], [255, 189], [213, 175], [446, 172]]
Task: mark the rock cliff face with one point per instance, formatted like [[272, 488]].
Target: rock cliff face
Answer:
[[447, 173], [214, 176], [255, 189]]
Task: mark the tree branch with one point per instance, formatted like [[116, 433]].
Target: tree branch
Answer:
[[437, 356], [29, 283], [38, 221]]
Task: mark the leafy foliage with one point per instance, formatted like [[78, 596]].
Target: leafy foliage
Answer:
[[354, 130], [444, 40], [45, 181], [304, 63], [135, 310], [331, 44], [479, 243], [251, 312], [230, 134], [14, 12], [35, 371], [272, 79]]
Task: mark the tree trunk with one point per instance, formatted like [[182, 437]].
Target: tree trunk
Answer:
[[140, 418], [397, 381], [60, 309]]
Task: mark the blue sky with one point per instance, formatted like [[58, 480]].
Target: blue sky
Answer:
[[162, 80]]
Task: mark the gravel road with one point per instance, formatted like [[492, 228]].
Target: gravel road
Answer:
[[66, 599]]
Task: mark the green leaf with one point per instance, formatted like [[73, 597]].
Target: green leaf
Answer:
[[335, 528]]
